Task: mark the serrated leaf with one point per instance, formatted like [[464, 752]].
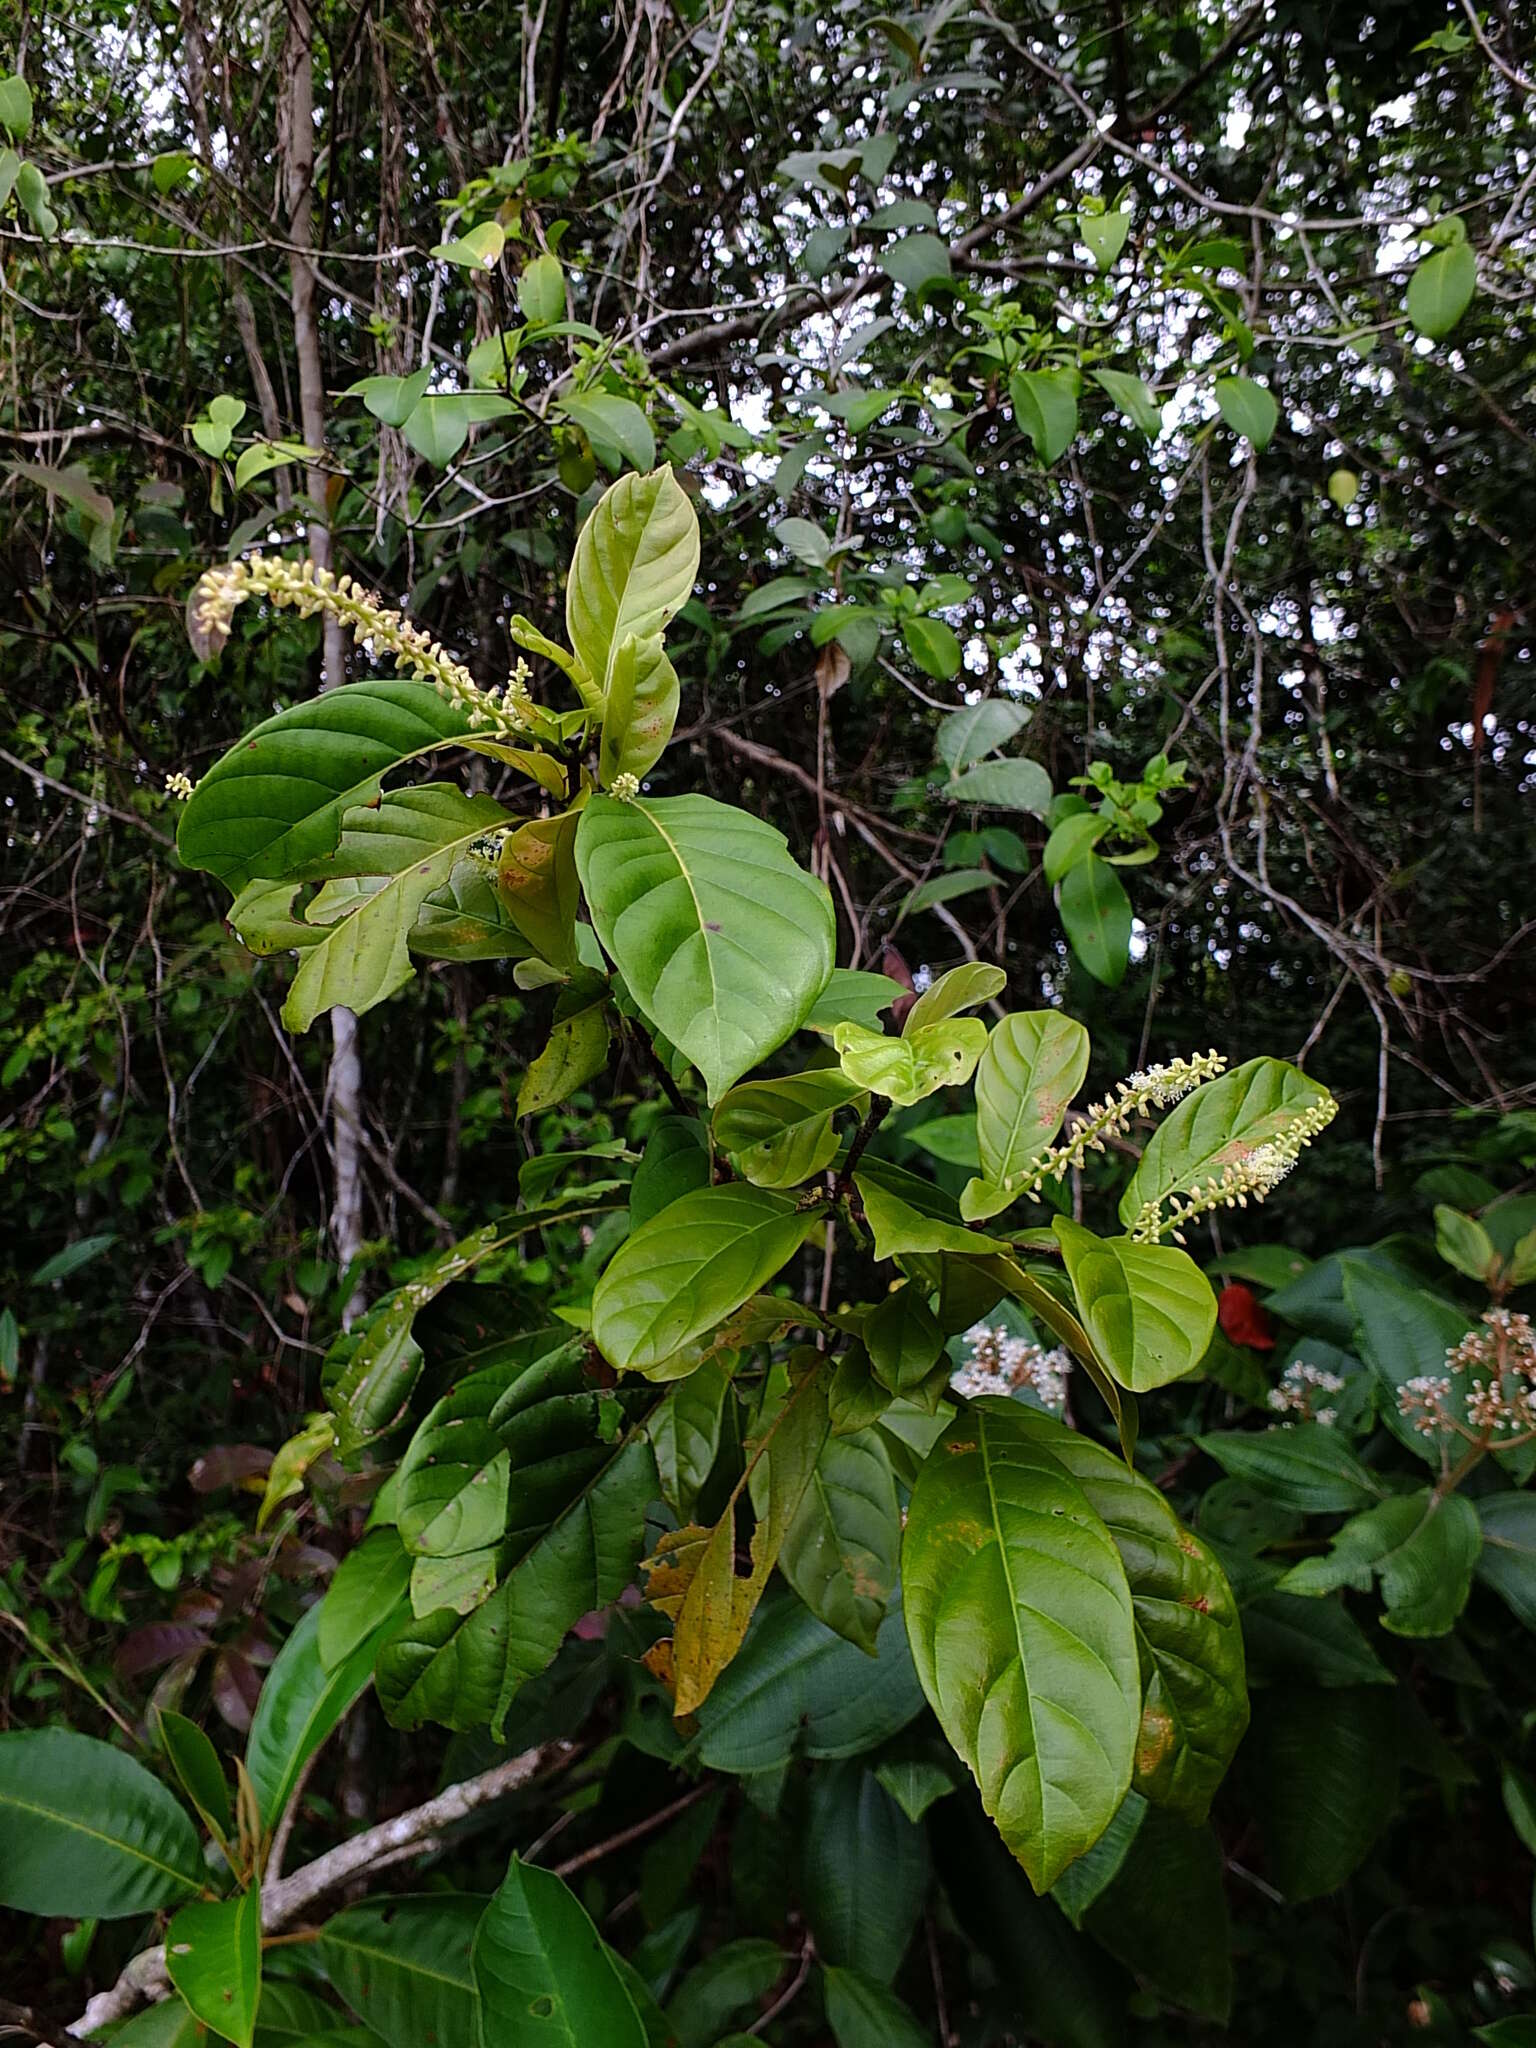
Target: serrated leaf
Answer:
[[1023, 1635], [88, 1832], [779, 1133], [1149, 1309], [1219, 1125], [543, 1973], [723, 940], [213, 1957]]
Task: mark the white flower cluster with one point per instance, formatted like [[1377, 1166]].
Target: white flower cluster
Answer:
[[1300, 1386], [1249, 1178], [1495, 1370], [1002, 1364]]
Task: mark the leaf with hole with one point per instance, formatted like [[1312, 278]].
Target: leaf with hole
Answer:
[[543, 1972]]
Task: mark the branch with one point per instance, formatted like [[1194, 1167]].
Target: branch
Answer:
[[144, 1980]]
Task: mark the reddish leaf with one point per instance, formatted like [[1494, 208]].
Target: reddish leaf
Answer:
[[235, 1686], [146, 1649], [1242, 1319], [227, 1465]]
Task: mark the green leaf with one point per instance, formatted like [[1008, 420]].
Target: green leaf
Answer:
[[272, 807], [905, 1069], [1421, 1546], [88, 1832], [541, 291], [576, 1051], [1219, 1125], [1195, 1697], [543, 1973], [1320, 1769], [1085, 1880], [633, 570], [1023, 1635], [464, 1672], [686, 1432], [369, 1583], [904, 1340], [1034, 1064], [1133, 397], [169, 169], [466, 919], [391, 399], [438, 425], [947, 888], [736, 1978], [1148, 1308], [1011, 785], [1404, 1333], [676, 1162], [1308, 1467], [413, 837], [865, 2015], [1440, 289], [1045, 408], [1165, 1915], [677, 1276], [540, 887], [723, 940], [299, 1705], [865, 1873], [840, 1550], [32, 194], [796, 1688], [1507, 1561], [479, 248], [1096, 916], [403, 1966], [916, 261], [852, 996], [968, 736], [73, 1257], [196, 1763], [640, 711], [915, 1784], [962, 988], [1248, 409], [900, 1225], [1463, 1243], [1071, 842], [619, 432], [779, 1133], [15, 106], [932, 645], [213, 1957], [1103, 236]]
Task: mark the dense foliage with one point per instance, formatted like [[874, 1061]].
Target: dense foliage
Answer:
[[650, 1403]]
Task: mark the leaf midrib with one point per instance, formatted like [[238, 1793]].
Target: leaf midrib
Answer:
[[68, 1820]]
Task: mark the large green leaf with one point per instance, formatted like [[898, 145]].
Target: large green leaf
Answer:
[[1195, 1698], [1421, 1546], [273, 805], [779, 1133], [795, 1688], [1321, 1771], [88, 1832], [1218, 1126], [640, 711], [866, 1872], [369, 1583], [213, 1957], [1165, 1915], [725, 943], [300, 1703], [1096, 916], [464, 1672], [1440, 289], [403, 1965], [543, 1973], [632, 571], [1023, 1634], [415, 838], [1034, 1063], [840, 1552], [678, 1275], [1307, 1466], [1148, 1308]]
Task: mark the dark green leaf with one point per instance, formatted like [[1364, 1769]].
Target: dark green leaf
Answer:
[[543, 1973], [87, 1831]]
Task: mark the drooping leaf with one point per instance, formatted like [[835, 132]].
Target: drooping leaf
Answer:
[[213, 1957], [910, 1215], [1149, 1309], [1023, 1634], [1219, 1125], [969, 735], [541, 290], [633, 569], [1248, 409], [87, 1831], [1045, 408], [724, 942], [196, 1763], [779, 1133], [1096, 916], [1440, 289], [1033, 1065], [1404, 1333], [576, 1049], [678, 1275], [866, 2015], [840, 1550], [965, 987], [866, 1873], [544, 1974], [1134, 399], [540, 887]]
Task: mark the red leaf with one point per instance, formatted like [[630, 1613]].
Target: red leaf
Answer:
[[146, 1649], [227, 1465], [1242, 1320]]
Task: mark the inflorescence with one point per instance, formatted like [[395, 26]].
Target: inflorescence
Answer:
[[310, 590], [1249, 1177], [1152, 1088], [1002, 1364], [1301, 1384], [1489, 1378]]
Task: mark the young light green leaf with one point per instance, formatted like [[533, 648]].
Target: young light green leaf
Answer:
[[576, 1050], [1096, 916], [852, 996], [909, 1215], [724, 941], [932, 645], [1463, 1243], [1103, 236], [1148, 1308], [633, 570], [213, 1957], [1071, 842], [640, 711], [905, 1069], [618, 431], [1034, 1064], [543, 1972], [779, 1133], [15, 106], [88, 1832], [541, 291], [1023, 1634], [478, 248]]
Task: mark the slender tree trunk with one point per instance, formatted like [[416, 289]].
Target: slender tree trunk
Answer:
[[297, 138]]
